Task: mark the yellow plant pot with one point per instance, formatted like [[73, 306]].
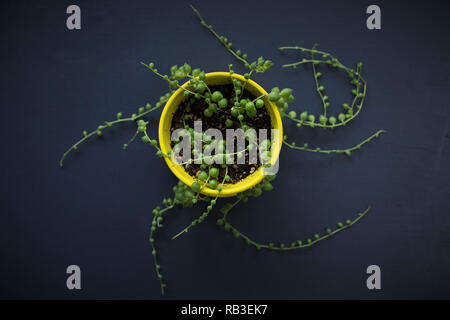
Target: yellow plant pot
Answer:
[[165, 122]]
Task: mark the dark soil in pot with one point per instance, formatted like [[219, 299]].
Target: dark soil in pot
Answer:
[[195, 107]]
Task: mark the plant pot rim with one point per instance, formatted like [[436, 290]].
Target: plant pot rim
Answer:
[[165, 123]]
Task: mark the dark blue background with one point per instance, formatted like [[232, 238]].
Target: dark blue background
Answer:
[[96, 211]]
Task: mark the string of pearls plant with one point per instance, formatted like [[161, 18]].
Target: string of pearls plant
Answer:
[[237, 111]]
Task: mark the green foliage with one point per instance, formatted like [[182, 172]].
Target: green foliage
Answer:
[[241, 110], [359, 88]]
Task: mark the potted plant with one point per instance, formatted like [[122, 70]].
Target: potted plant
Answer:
[[220, 133], [228, 112]]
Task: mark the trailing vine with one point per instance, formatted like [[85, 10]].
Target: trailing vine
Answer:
[[135, 117], [298, 244], [237, 109], [358, 91]]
